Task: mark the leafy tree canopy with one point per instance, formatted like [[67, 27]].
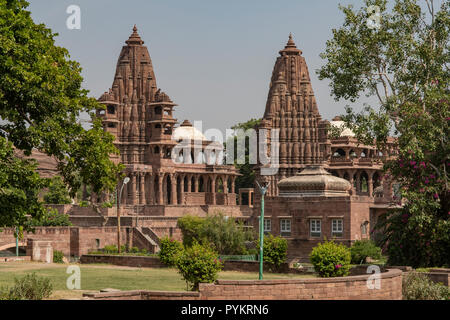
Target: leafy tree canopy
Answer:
[[41, 100], [246, 169], [405, 64]]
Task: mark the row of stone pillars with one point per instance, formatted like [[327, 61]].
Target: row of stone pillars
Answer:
[[169, 188]]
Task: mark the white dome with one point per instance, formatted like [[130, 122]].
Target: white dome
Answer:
[[187, 132], [346, 132]]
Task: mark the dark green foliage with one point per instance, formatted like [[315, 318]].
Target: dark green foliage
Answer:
[[198, 264], [247, 179], [41, 100], [58, 256], [110, 249], [417, 286], [51, 218], [57, 192], [331, 259], [191, 227], [224, 234], [361, 249], [169, 250], [274, 250], [20, 185], [30, 287], [407, 72]]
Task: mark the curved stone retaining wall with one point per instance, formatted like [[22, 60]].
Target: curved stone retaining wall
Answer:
[[344, 288]]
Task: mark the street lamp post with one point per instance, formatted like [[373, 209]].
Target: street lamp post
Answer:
[[262, 190], [119, 196]]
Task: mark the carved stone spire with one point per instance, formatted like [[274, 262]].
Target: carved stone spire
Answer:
[[291, 107]]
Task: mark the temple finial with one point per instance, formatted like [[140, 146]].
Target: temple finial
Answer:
[[134, 39]]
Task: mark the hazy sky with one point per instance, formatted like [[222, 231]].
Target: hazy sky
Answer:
[[213, 58]]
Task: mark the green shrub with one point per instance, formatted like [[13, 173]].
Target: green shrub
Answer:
[[417, 286], [57, 192], [51, 218], [191, 227], [331, 259], [30, 287], [58, 256], [198, 264], [110, 249], [227, 236], [169, 249], [274, 250], [362, 249], [134, 250]]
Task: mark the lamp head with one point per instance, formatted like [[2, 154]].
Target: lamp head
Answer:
[[126, 180]]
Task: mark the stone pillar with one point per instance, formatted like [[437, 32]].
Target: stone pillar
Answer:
[[352, 181], [160, 189], [182, 189], [141, 188], [225, 184], [370, 184], [133, 188], [196, 178], [358, 181], [173, 182], [233, 185], [189, 183], [213, 189]]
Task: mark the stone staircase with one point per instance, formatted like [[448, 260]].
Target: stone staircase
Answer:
[[144, 237]]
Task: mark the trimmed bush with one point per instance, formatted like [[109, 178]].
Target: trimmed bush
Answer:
[[169, 250], [191, 227], [110, 249], [274, 251], [362, 249], [226, 235], [198, 264], [417, 286], [331, 259], [58, 257], [30, 287]]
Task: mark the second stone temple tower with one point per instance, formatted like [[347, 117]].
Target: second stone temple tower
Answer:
[[292, 108]]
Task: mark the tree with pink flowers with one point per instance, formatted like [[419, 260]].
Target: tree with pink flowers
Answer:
[[402, 58]]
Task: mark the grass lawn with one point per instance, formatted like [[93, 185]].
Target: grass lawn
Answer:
[[100, 276]]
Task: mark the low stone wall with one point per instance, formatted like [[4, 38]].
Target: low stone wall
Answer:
[[439, 277], [19, 258], [128, 261], [344, 288], [253, 266]]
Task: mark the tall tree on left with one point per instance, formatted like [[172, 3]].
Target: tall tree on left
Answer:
[[41, 100]]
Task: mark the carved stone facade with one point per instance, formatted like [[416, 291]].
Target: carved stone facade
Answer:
[[141, 117], [304, 203]]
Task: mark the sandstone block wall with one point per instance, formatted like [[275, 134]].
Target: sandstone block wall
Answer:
[[347, 288]]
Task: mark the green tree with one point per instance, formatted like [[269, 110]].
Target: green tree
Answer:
[[57, 192], [224, 235], [41, 100], [198, 264], [20, 185], [404, 63], [247, 170], [50, 218], [274, 250]]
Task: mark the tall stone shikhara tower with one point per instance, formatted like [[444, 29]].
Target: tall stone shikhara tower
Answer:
[[292, 108], [140, 116]]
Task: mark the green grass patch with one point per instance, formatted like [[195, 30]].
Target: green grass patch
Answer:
[[95, 277]]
